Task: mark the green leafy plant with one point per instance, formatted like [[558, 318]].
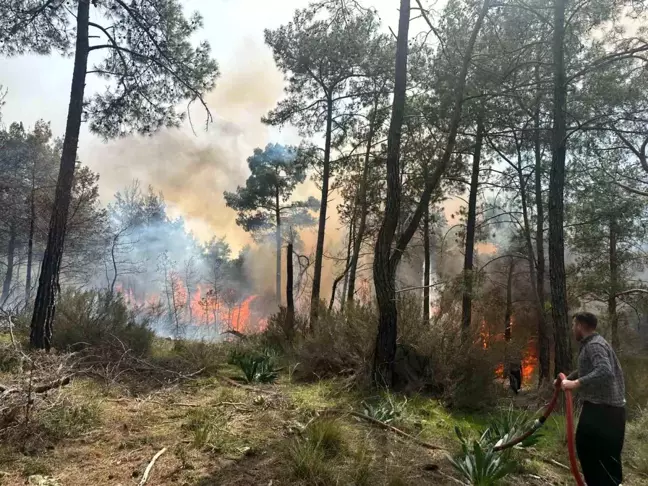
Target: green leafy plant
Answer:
[[256, 368], [386, 409], [479, 464], [507, 426]]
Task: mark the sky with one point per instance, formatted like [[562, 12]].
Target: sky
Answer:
[[191, 170]]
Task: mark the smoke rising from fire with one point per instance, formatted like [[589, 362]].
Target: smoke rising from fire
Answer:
[[193, 170]]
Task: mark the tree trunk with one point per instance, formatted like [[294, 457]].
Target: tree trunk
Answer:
[[557, 278], [435, 179], [278, 249], [48, 285], [349, 255], [319, 250], [290, 303], [384, 269], [11, 252], [508, 313], [364, 207], [537, 292], [614, 286], [426, 266], [30, 243], [468, 277], [544, 342]]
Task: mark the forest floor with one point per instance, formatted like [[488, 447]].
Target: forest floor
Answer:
[[215, 432]]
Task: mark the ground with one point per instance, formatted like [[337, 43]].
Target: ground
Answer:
[[217, 432]]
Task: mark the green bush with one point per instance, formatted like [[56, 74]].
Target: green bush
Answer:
[[95, 318]]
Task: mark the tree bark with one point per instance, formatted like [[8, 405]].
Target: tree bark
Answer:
[[544, 342], [562, 343], [468, 277], [349, 255], [278, 248], [290, 303], [427, 270], [384, 269], [11, 253], [48, 285], [30, 238], [319, 250], [614, 286], [435, 179], [508, 313], [364, 207]]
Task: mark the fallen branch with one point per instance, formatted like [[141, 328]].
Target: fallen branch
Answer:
[[385, 426], [37, 389], [54, 384], [150, 467]]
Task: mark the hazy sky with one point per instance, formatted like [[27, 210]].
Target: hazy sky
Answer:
[[191, 171]]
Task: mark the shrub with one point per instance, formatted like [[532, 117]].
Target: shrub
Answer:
[[95, 318], [340, 344], [68, 419], [196, 355], [637, 442]]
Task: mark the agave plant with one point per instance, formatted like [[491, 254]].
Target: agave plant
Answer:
[[507, 426], [385, 409], [479, 464], [255, 368]]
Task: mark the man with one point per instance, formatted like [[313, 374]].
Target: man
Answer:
[[599, 381], [515, 376]]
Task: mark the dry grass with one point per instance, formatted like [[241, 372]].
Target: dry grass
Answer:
[[99, 432]]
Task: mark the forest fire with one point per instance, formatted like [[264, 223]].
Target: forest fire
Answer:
[[200, 307], [529, 352]]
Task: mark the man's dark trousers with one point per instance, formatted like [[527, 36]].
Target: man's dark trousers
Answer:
[[599, 441]]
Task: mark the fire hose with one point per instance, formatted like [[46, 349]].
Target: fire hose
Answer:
[[569, 412]]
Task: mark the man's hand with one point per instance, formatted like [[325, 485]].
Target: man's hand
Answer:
[[570, 384]]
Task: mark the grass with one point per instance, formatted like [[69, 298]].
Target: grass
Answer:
[[221, 434], [310, 455]]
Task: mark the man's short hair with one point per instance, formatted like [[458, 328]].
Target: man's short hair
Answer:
[[588, 319]]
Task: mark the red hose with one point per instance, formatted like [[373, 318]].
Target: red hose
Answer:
[[569, 412]]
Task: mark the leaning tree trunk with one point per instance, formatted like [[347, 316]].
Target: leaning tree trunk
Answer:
[[468, 277], [614, 286], [48, 285], [321, 230], [427, 270], [557, 277], [384, 268], [11, 253], [385, 261], [544, 342]]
